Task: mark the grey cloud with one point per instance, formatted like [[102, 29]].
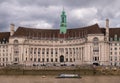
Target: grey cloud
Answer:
[[16, 11]]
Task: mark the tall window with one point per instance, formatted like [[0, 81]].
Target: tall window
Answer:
[[16, 48], [95, 45], [96, 49], [39, 50], [62, 19], [95, 41]]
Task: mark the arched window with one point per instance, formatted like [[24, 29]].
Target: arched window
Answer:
[[61, 58], [26, 41], [95, 44], [115, 37], [62, 19], [95, 41], [15, 41]]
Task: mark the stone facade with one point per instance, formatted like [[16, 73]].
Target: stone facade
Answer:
[[78, 46], [24, 50]]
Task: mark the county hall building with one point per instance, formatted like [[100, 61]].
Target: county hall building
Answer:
[[77, 46]]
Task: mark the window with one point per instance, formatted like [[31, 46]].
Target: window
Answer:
[[115, 53], [110, 53], [35, 50], [115, 64], [70, 59], [110, 48], [74, 59], [56, 60], [38, 59], [34, 59], [66, 52], [56, 53], [51, 52], [115, 37], [42, 52], [43, 60], [110, 44], [3, 50], [16, 59], [31, 50], [38, 52], [115, 48], [96, 46], [47, 52], [111, 39], [66, 59], [95, 41], [47, 60], [115, 44], [63, 19], [95, 49], [95, 58], [15, 41], [51, 60], [115, 58], [16, 52], [110, 58]]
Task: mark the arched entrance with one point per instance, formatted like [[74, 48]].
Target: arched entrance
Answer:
[[61, 58], [96, 64]]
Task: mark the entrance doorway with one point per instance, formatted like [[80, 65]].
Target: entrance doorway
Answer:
[[96, 64], [61, 58]]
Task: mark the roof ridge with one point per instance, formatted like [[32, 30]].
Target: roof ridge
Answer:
[[36, 28], [4, 32], [96, 24]]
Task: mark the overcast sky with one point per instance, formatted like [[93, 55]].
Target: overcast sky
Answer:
[[46, 13]]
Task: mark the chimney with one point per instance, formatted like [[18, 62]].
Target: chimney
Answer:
[[12, 29], [107, 29], [107, 23]]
